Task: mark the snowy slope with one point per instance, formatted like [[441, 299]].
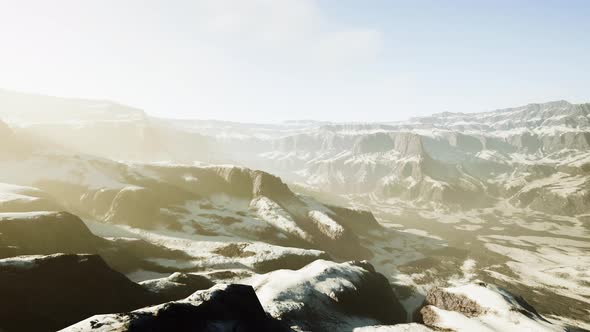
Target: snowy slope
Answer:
[[481, 307]]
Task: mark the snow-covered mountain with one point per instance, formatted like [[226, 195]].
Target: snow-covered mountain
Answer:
[[458, 160], [535, 156], [427, 208]]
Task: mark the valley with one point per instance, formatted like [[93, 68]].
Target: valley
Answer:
[[325, 221]]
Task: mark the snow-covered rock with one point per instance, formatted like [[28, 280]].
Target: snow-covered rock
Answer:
[[441, 181], [481, 307], [44, 233], [220, 308], [177, 285], [327, 296], [411, 327]]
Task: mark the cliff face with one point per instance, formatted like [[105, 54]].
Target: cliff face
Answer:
[[447, 160]]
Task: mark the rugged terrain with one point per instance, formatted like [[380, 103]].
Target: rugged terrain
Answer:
[[421, 210]]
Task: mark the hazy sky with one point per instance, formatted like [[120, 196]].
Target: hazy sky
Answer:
[[271, 60]]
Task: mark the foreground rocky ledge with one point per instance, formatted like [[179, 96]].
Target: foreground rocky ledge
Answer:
[[47, 293], [220, 308]]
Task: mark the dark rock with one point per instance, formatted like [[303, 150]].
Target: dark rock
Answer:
[[46, 293], [48, 233], [221, 308], [374, 297]]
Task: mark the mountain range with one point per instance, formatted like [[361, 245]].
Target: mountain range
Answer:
[[454, 221]]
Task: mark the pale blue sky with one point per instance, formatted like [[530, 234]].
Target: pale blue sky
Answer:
[[272, 60]]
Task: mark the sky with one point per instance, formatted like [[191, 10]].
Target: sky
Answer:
[[276, 60]]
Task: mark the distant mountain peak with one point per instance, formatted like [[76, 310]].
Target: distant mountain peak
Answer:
[[19, 107]]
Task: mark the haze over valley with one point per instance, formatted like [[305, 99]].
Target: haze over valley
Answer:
[[452, 221]]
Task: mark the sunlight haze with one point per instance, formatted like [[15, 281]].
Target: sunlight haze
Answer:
[[267, 61]]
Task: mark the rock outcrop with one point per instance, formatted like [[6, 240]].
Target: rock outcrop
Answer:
[[220, 308], [327, 296], [134, 206], [481, 307], [45, 233], [292, 219], [323, 296], [177, 285], [46, 293], [42, 233]]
